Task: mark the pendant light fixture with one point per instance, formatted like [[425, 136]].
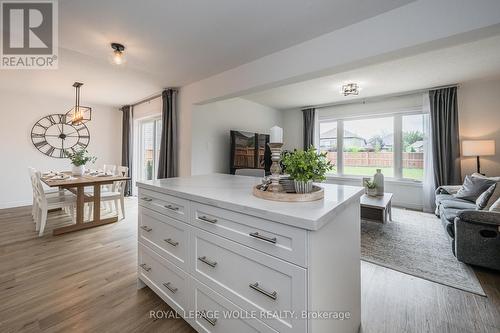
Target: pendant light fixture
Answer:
[[78, 114], [118, 57]]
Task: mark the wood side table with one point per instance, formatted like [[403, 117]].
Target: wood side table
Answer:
[[377, 208]]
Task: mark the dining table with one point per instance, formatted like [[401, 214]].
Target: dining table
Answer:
[[76, 185]]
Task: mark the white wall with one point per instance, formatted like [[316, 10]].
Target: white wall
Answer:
[[393, 34], [479, 118], [18, 113], [212, 123]]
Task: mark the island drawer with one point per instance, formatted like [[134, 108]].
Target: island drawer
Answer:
[[165, 204], [167, 280], [251, 279], [274, 238], [215, 314], [167, 236]]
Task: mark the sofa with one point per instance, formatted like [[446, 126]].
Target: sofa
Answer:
[[473, 229]]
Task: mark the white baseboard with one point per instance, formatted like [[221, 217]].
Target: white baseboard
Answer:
[[13, 204]]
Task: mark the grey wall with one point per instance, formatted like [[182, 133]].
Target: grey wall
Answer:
[[211, 124]]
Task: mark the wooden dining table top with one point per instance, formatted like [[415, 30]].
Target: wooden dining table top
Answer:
[[85, 180]]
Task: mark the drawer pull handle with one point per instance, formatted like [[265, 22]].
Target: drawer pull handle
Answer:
[[146, 228], [207, 219], [264, 238], [168, 285], [145, 267], [208, 262], [273, 295], [211, 321], [171, 242], [147, 199], [172, 207]]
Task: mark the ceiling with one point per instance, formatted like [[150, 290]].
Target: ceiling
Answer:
[[460, 63], [176, 42]]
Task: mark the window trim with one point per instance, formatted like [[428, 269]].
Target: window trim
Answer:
[[398, 142], [141, 122]]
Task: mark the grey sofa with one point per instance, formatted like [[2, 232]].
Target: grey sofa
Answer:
[[474, 233]]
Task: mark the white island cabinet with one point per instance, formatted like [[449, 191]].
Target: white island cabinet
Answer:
[[230, 262]]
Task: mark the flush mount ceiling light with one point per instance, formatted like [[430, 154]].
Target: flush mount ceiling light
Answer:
[[350, 89], [118, 53], [78, 114]]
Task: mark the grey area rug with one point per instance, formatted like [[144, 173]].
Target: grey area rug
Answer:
[[416, 243]]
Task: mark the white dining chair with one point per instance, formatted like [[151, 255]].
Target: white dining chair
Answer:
[[116, 195], [250, 172], [48, 192], [44, 203]]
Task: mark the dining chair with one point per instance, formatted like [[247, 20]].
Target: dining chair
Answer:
[[116, 195], [48, 192], [89, 191], [250, 172], [44, 203]]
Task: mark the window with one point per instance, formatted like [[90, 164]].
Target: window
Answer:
[[149, 144], [368, 146], [328, 141], [413, 146], [391, 143]]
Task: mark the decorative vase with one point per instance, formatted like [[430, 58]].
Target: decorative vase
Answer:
[[78, 170], [378, 179], [371, 192], [302, 186]]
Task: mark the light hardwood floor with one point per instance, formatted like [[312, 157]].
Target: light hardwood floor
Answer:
[[86, 282]]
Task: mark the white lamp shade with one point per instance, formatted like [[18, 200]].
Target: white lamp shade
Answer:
[[478, 147]]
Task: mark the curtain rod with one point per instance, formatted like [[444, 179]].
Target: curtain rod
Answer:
[[145, 100], [375, 98], [150, 98]]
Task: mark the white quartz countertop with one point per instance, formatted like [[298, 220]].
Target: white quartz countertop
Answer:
[[235, 193]]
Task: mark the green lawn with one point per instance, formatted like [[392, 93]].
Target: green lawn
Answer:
[[416, 174]]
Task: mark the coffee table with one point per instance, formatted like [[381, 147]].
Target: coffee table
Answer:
[[376, 208]]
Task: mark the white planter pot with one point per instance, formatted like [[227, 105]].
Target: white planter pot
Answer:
[[371, 192], [303, 187], [78, 170]]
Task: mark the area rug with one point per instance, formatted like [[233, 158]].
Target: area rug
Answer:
[[415, 243]]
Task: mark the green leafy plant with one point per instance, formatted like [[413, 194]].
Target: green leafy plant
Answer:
[[370, 184], [306, 165], [80, 157]]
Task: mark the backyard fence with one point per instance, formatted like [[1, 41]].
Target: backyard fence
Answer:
[[379, 159]]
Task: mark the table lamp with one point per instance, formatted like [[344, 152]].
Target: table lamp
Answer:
[[478, 148]]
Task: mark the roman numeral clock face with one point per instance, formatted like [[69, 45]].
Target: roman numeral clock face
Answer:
[[52, 135]]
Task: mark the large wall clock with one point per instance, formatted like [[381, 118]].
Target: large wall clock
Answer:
[[52, 135]]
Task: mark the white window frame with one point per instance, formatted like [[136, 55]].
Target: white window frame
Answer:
[[141, 122], [398, 142]]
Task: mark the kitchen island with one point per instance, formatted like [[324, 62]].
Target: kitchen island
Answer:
[[230, 262]]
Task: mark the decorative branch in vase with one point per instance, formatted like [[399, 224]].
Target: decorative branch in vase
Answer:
[[305, 167], [79, 158]]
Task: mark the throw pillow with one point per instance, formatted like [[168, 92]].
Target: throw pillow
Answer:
[[473, 187], [496, 194], [495, 207], [483, 199]]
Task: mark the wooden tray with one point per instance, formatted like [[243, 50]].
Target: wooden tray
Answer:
[[317, 194]]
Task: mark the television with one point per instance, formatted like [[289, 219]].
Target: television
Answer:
[[249, 151]]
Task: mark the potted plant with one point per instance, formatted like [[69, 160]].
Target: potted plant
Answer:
[[79, 158], [305, 167], [371, 188]]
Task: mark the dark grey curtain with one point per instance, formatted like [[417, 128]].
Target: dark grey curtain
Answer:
[[445, 136], [308, 127], [127, 144], [167, 165]]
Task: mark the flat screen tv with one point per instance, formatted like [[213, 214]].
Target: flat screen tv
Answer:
[[249, 151]]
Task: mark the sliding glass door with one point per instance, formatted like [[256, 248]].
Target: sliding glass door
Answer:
[[149, 148]]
